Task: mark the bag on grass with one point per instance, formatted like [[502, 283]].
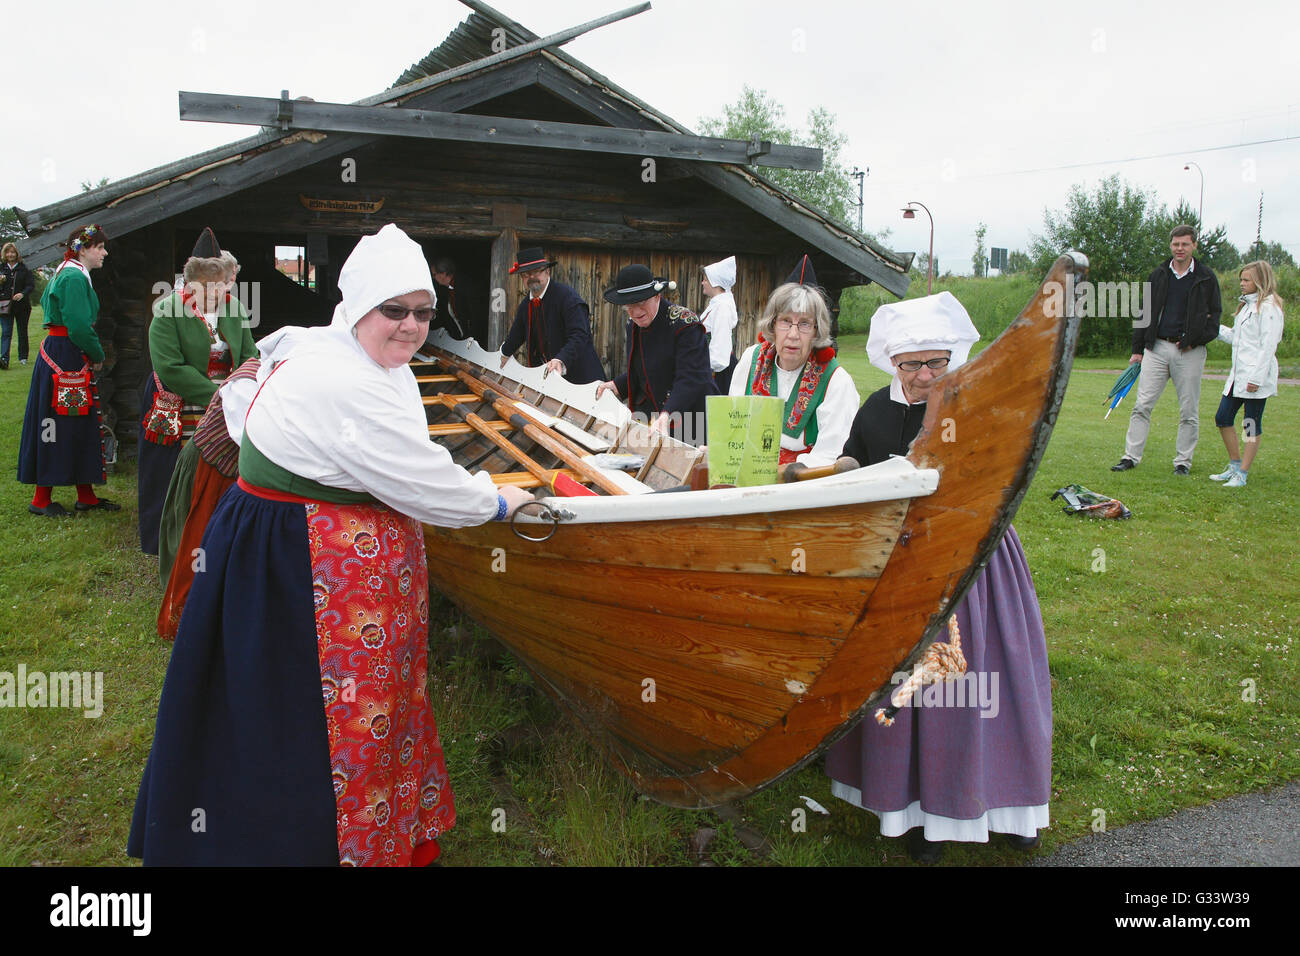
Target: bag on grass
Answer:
[[1079, 500]]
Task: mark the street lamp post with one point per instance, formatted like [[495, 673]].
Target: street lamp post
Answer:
[[910, 213], [859, 175], [1200, 206]]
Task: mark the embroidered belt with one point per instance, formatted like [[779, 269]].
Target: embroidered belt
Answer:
[[272, 494]]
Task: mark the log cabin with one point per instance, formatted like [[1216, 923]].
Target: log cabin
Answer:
[[474, 155]]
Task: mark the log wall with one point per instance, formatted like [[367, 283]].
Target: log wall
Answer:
[[594, 213]]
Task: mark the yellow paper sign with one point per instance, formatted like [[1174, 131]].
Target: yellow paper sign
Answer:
[[744, 439]]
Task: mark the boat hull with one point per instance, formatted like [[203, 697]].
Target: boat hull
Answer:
[[709, 656]]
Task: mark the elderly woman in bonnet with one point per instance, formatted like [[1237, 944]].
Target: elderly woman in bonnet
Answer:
[[794, 361], [196, 338], [954, 772], [60, 443], [315, 582], [720, 318]]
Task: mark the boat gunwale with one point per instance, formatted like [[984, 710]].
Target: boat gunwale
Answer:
[[890, 481], [894, 480]]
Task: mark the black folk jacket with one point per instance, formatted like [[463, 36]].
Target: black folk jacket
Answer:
[[1204, 308]]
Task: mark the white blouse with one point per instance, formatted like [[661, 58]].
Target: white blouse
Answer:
[[835, 414], [332, 414], [720, 319], [219, 346]]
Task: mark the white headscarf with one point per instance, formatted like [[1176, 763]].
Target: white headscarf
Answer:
[[383, 266], [722, 273], [932, 323]]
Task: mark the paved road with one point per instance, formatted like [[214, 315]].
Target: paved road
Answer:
[[1219, 376], [1253, 829]]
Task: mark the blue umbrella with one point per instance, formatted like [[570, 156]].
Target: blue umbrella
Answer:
[[1121, 386]]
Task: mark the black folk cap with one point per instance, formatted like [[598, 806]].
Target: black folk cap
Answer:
[[530, 259], [636, 283]]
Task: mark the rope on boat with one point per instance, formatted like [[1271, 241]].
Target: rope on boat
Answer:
[[939, 662], [545, 513]]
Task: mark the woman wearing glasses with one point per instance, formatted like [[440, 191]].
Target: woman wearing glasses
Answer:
[[794, 361], [952, 773], [314, 582]]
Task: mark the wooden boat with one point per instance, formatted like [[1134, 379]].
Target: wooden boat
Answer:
[[713, 641]]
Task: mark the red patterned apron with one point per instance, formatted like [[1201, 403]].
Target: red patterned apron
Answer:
[[370, 587]]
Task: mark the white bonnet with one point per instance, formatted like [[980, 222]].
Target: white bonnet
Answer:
[[931, 323], [383, 266], [722, 273]]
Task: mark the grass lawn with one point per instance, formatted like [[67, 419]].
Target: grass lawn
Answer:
[[1158, 628]]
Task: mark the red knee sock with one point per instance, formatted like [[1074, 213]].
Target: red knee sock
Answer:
[[85, 496], [42, 497]]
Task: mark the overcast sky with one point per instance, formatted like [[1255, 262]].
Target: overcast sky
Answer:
[[980, 114]]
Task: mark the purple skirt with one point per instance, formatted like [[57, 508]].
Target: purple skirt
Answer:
[[980, 743]]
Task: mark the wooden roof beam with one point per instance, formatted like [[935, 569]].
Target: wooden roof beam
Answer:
[[555, 39], [465, 127]]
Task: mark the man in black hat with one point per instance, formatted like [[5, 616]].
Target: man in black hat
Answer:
[[668, 374], [553, 322]]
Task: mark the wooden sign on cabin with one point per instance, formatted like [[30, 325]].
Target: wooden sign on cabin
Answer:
[[341, 205]]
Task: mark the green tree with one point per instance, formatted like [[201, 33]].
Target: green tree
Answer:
[[1274, 253], [1212, 246], [830, 190], [1119, 228], [1122, 230], [1018, 261], [87, 185], [11, 230], [978, 259], [921, 262]]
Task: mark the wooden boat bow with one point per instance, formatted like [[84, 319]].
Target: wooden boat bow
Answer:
[[712, 642]]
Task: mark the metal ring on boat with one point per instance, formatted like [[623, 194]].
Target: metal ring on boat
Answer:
[[545, 514]]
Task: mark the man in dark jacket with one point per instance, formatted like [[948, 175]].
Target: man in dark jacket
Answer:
[[668, 374], [1181, 318], [553, 322], [447, 313]]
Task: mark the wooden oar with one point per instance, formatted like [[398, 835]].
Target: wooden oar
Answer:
[[505, 444], [554, 442], [480, 388], [797, 472], [442, 429], [521, 479]]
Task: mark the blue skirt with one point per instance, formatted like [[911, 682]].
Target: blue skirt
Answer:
[[59, 449], [239, 773]]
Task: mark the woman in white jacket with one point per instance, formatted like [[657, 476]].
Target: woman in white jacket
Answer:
[[1254, 337]]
